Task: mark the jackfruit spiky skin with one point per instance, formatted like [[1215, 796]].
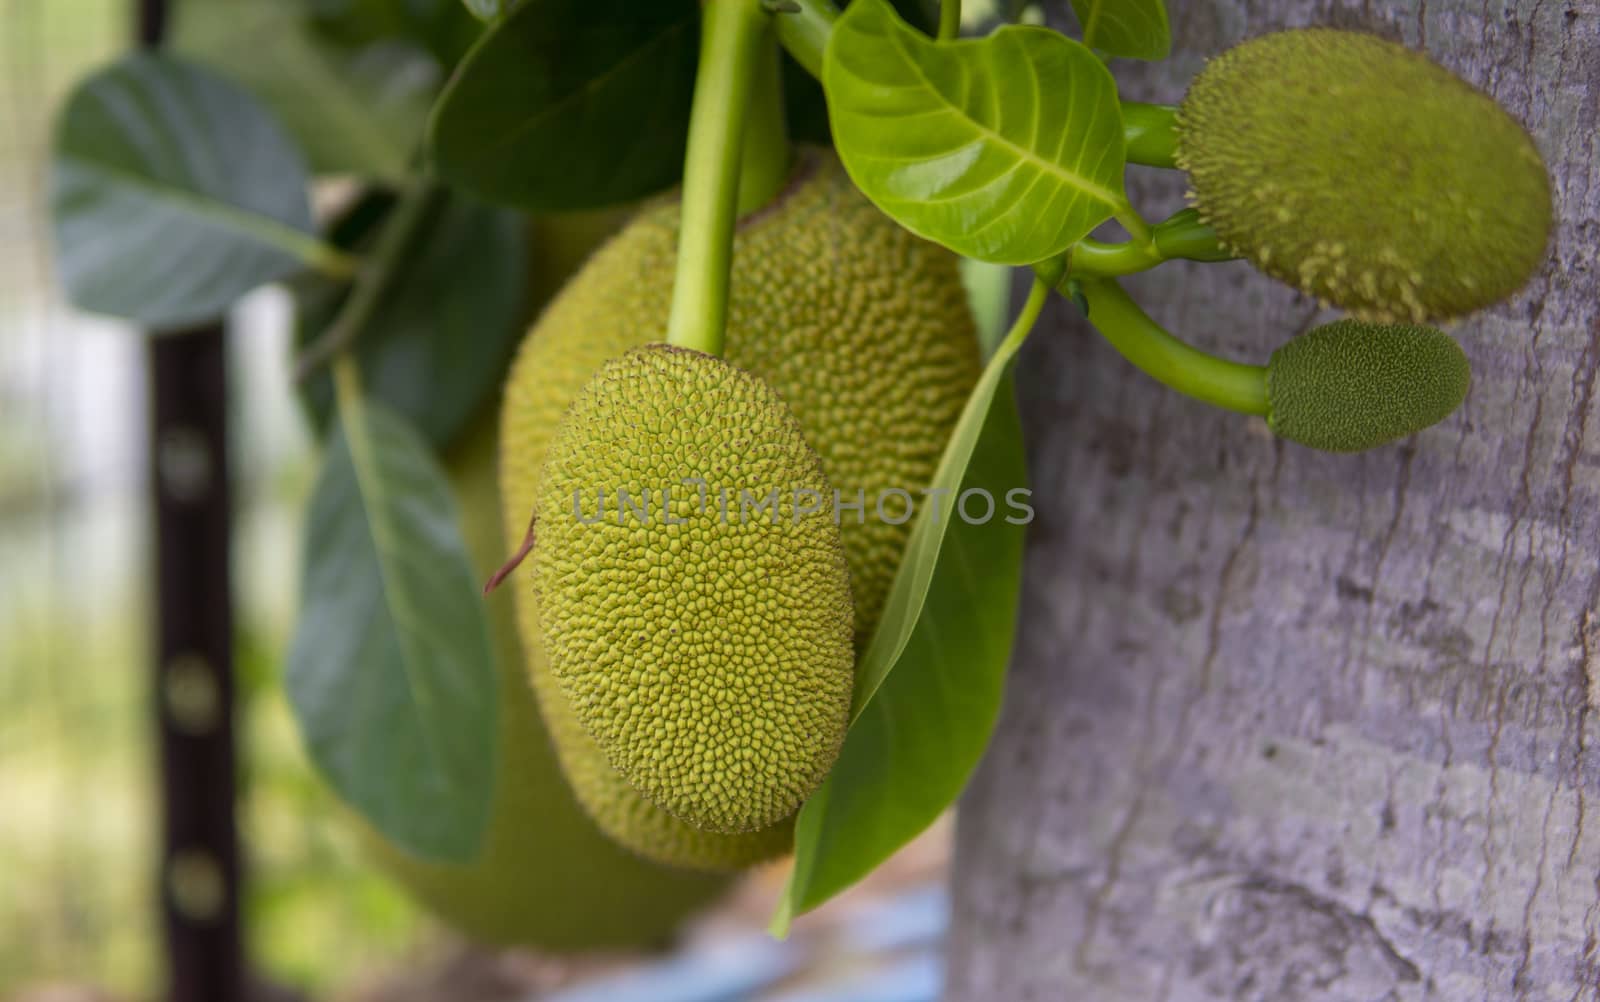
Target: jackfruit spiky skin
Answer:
[[547, 877], [705, 645], [1365, 174], [861, 326], [1350, 385]]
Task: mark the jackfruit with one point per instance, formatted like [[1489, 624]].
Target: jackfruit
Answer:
[[547, 877], [1350, 385], [704, 643], [863, 329], [1365, 174]]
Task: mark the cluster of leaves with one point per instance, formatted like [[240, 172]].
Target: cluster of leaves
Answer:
[[181, 183]]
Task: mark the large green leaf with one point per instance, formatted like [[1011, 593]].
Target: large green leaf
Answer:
[[391, 674], [173, 194], [570, 104], [438, 345], [1007, 148], [354, 110], [1135, 29], [946, 633]]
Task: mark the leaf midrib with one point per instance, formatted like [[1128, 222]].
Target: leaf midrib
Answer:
[[1067, 177], [369, 484], [296, 243]]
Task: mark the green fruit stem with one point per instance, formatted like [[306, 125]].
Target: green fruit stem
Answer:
[[376, 277], [1151, 134], [949, 20], [1233, 386], [1180, 236], [734, 36]]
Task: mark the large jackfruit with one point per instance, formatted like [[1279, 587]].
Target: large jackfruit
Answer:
[[1364, 174], [860, 326], [547, 877], [704, 640]]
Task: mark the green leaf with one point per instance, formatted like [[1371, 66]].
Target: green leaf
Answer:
[[1007, 148], [946, 633], [358, 111], [443, 27], [438, 346], [1134, 29], [173, 194], [570, 104], [390, 673]]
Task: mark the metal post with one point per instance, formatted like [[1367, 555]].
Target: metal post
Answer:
[[200, 867]]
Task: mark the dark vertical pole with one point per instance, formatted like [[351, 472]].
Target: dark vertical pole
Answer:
[[199, 876]]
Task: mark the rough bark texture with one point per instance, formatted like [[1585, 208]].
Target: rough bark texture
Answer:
[[1284, 725]]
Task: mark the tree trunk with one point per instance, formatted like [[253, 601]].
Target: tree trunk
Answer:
[[1286, 725]]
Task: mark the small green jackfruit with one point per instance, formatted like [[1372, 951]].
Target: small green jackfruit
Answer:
[[864, 330], [705, 643], [1350, 385], [547, 876], [1365, 174]]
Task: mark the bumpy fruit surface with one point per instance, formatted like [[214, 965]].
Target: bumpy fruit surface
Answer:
[[862, 328], [1350, 385], [547, 877], [705, 643], [1364, 174]]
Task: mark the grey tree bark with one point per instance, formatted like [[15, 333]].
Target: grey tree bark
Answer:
[[1291, 726]]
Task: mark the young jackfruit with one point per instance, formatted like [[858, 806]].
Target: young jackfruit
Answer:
[[862, 328], [1364, 174], [1349, 385], [547, 876], [704, 643]]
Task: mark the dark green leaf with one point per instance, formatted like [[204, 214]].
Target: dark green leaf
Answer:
[[1007, 148], [359, 111], [391, 674], [571, 104], [444, 27], [914, 745], [437, 347], [1135, 29], [174, 193]]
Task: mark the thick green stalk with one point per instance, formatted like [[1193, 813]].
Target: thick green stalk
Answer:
[[1150, 131], [765, 159], [1219, 382], [731, 40], [949, 20], [804, 31]]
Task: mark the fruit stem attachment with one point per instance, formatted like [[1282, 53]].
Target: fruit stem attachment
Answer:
[[804, 29], [949, 20], [731, 37], [1151, 133], [1182, 235], [1233, 386], [376, 277]]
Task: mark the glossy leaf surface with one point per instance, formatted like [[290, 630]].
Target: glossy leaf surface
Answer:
[[1007, 148], [1135, 29]]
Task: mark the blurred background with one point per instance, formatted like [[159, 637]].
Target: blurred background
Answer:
[[78, 798]]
